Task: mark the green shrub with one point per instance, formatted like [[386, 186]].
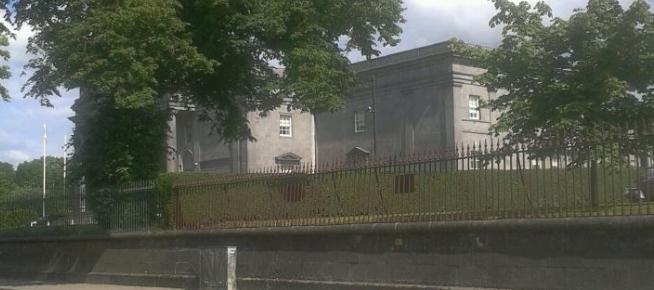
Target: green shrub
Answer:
[[17, 218]]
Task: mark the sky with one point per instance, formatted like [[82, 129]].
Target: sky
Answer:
[[428, 22]]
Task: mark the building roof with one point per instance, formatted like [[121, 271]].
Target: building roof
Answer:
[[439, 48]]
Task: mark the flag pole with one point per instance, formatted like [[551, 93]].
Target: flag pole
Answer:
[[45, 143], [65, 156]]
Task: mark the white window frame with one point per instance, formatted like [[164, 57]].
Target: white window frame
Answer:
[[474, 112], [285, 123], [554, 162], [358, 117], [475, 164]]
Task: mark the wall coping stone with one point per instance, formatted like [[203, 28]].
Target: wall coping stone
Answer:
[[544, 224]]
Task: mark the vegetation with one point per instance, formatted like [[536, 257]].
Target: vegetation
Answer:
[[29, 175], [5, 35], [21, 192], [7, 180], [576, 77], [129, 57]]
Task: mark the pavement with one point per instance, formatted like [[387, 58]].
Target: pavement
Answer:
[[9, 285]]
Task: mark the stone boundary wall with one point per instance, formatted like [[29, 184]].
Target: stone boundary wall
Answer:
[[582, 253]]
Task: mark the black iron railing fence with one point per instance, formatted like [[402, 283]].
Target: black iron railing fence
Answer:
[[611, 177], [481, 181], [132, 206]]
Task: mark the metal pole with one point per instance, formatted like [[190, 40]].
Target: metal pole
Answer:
[[45, 143], [65, 156], [231, 268], [374, 116]]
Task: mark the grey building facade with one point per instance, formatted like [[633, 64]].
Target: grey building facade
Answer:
[[283, 138], [415, 101]]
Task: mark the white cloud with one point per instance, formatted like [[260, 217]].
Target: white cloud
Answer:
[[14, 156], [431, 21]]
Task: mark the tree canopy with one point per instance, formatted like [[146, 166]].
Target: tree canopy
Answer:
[[29, 174], [27, 180], [5, 73], [580, 76], [7, 183], [131, 56], [215, 52]]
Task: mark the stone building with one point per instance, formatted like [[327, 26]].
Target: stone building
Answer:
[[414, 101], [284, 138]]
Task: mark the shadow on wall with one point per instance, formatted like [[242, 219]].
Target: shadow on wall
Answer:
[[103, 261]]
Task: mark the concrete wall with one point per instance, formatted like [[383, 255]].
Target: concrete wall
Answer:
[[583, 253]]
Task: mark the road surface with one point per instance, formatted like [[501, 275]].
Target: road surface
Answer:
[[9, 285]]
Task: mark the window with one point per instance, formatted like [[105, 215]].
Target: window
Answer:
[[285, 126], [188, 135], [292, 192], [475, 164], [405, 183], [359, 121], [473, 108]]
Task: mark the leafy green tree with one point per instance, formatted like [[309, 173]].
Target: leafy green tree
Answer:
[[29, 175], [117, 145], [7, 184], [7, 169], [5, 34], [29, 180], [130, 56], [578, 77]]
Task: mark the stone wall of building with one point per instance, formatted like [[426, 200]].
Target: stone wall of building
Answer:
[[198, 148], [406, 110], [467, 131], [270, 144], [420, 102]]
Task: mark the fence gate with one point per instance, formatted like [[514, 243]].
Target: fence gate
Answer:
[[213, 269]]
